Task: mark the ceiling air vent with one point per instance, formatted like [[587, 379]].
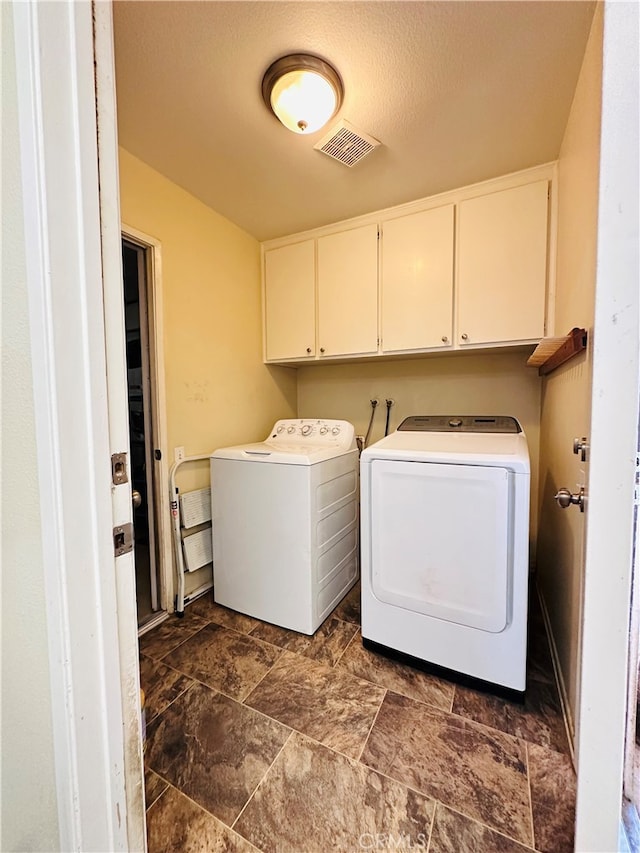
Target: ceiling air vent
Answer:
[[346, 144]]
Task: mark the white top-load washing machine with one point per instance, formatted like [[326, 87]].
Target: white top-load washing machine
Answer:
[[285, 523], [445, 545]]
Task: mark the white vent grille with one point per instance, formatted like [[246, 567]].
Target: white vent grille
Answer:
[[346, 144]]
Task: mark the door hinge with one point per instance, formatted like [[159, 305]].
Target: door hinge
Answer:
[[119, 469], [123, 539], [158, 454]]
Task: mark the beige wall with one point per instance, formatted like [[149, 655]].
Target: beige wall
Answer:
[[566, 392], [29, 819], [218, 391], [486, 383]]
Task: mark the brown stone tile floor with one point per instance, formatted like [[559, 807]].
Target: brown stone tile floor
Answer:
[[260, 739]]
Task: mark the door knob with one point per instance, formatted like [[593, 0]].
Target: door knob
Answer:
[[566, 499], [136, 498]]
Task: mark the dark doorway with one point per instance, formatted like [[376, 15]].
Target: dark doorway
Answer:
[[140, 429]]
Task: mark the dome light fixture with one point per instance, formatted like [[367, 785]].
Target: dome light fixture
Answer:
[[302, 91]]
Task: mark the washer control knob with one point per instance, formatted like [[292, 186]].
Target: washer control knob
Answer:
[[291, 429], [280, 429], [306, 429], [324, 430], [335, 430]]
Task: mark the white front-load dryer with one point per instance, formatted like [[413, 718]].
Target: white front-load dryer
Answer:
[[285, 523], [445, 545]]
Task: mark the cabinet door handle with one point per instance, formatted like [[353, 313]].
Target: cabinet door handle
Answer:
[[321, 349], [465, 337], [309, 349], [444, 339]]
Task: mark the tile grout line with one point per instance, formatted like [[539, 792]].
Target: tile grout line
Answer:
[[148, 692], [533, 830], [351, 639], [499, 832], [175, 698], [159, 797], [487, 728], [169, 651], [253, 793], [202, 808], [260, 680], [215, 690], [373, 722], [343, 652], [392, 689], [433, 821], [430, 796]]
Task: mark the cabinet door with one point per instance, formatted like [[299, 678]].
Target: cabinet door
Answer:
[[289, 302], [417, 280], [502, 257], [348, 292]]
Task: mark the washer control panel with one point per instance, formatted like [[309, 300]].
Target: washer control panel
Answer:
[[313, 431]]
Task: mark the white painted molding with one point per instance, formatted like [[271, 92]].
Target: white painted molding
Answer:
[[156, 346], [56, 101], [557, 670], [613, 443]]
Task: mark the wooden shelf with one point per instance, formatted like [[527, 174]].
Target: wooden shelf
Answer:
[[552, 352]]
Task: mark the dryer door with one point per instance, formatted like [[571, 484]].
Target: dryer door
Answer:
[[441, 541]]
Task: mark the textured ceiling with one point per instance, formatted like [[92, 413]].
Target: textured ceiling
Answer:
[[457, 92]]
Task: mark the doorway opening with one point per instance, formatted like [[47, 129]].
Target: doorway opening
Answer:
[[631, 787], [144, 452]]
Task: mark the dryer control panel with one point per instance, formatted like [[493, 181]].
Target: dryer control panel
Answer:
[[460, 423], [312, 432]]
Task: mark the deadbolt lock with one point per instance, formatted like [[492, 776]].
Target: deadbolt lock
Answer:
[[580, 447]]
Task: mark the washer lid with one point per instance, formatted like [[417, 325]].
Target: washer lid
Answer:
[[501, 450], [291, 454], [297, 441]]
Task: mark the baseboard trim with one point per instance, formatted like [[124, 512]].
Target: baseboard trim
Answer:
[[562, 690]]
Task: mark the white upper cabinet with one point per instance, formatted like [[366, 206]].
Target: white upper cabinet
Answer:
[[348, 292], [417, 280], [502, 266], [468, 269], [289, 302]]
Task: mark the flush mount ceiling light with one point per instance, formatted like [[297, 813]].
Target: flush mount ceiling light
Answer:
[[303, 91]]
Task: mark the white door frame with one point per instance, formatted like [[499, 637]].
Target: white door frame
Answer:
[[155, 313], [90, 595], [614, 441], [90, 599]]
